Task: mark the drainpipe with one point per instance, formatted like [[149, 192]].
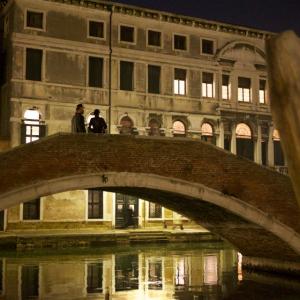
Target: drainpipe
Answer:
[[111, 9]]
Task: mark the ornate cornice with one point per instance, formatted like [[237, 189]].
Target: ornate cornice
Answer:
[[169, 17]]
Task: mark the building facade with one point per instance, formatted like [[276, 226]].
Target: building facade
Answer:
[[149, 72]]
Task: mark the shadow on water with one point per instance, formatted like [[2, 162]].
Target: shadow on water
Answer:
[[168, 271]]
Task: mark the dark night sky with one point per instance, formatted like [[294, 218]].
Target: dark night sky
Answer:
[[270, 15]]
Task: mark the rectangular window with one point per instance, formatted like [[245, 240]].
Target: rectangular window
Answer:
[[31, 210], [262, 91], [244, 89], [95, 278], [225, 87], [180, 82], [96, 29], [180, 42], [95, 208], [154, 38], [30, 282], [34, 19], [154, 79], [127, 34], [126, 76], [155, 275], [207, 47], [155, 211], [34, 64], [95, 71], [207, 85]]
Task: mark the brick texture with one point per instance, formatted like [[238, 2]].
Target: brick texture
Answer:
[[195, 161]]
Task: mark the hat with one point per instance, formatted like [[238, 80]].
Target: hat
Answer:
[[79, 106]]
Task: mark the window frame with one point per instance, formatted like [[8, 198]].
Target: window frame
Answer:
[[161, 39], [206, 85], [94, 290], [133, 75], [42, 64], [186, 41], [243, 89], [160, 81], [214, 46], [39, 212], [88, 218], [35, 11], [88, 72], [228, 93], [154, 218], [96, 37], [185, 83], [264, 102], [134, 34]]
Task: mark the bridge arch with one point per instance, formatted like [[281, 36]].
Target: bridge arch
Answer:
[[190, 177]]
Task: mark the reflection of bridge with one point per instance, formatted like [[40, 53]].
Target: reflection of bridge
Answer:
[[251, 206]]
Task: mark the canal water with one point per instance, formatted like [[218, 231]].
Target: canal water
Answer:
[[170, 271]]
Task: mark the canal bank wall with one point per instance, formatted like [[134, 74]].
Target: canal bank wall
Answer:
[[61, 240], [280, 267]]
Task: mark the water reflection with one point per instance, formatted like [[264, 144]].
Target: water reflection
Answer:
[[165, 272]]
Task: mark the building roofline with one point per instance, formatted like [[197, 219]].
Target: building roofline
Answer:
[[164, 16]]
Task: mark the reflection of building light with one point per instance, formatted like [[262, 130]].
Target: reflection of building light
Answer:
[[211, 269], [240, 273]]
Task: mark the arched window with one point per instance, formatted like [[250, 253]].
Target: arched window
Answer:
[[126, 125], [278, 153], [244, 142], [178, 128], [32, 127], [243, 131], [207, 133], [154, 127]]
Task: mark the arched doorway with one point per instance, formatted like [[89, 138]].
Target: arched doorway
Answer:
[[126, 125], [207, 133], [154, 128], [244, 141], [179, 129]]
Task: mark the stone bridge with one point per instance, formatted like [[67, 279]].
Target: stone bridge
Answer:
[[250, 206]]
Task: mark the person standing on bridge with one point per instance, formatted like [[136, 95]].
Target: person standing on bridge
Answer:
[[97, 124], [78, 120]]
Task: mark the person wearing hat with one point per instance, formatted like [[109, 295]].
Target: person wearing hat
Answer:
[[97, 124], [78, 120]]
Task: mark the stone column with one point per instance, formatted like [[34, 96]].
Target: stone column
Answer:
[[220, 141], [15, 132], [270, 160], [233, 139], [258, 152]]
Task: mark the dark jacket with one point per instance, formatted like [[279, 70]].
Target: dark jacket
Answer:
[[78, 123], [97, 125]]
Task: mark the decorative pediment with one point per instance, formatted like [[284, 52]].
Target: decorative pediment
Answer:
[[242, 53]]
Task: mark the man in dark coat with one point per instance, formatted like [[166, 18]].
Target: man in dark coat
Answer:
[[78, 120], [97, 124]]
